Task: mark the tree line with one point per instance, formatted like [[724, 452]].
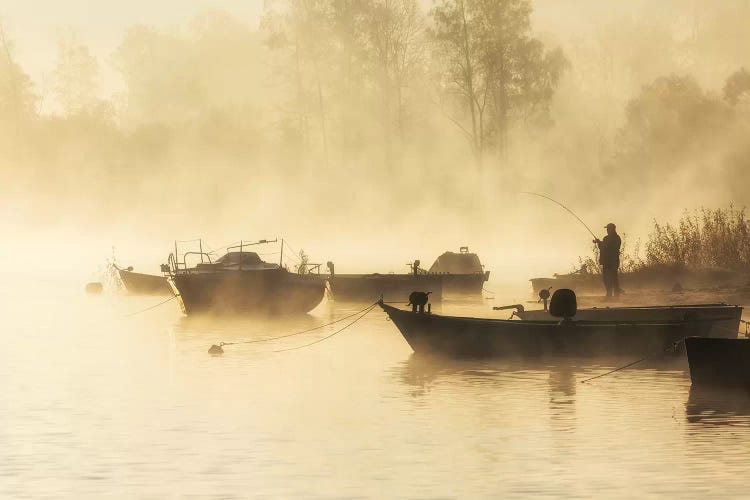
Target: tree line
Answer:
[[331, 80], [325, 93]]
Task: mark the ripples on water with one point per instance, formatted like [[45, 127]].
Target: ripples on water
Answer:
[[97, 405]]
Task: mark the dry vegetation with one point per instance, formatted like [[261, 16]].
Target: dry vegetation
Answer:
[[703, 240]]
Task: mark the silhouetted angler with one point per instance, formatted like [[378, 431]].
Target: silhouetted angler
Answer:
[[609, 258]]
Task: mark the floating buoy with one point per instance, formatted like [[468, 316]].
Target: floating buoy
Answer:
[[94, 287], [215, 350]]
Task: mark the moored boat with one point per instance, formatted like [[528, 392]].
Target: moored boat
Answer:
[[451, 274], [719, 362], [462, 272], [664, 278], [389, 287], [724, 318], [480, 337], [240, 282], [143, 284]]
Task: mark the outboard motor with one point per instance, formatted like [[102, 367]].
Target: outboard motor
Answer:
[[563, 305], [417, 301], [544, 296], [329, 265]]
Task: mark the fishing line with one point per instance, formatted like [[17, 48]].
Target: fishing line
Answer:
[[673, 346], [565, 208]]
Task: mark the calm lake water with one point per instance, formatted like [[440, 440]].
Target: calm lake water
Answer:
[[95, 404]]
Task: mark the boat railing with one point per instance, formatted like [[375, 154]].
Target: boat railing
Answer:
[[202, 255], [177, 261], [244, 243], [311, 269]]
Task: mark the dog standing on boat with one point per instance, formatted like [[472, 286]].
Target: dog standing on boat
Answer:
[[417, 300]]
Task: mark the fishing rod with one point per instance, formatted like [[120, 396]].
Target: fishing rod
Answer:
[[564, 207]]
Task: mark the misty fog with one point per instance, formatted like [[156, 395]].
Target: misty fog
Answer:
[[368, 133]]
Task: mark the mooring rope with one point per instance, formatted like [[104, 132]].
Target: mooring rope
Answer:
[[256, 341], [331, 335], [152, 307], [672, 346]]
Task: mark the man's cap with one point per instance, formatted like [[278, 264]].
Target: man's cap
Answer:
[[611, 224]]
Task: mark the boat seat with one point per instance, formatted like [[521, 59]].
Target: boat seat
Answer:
[[563, 303]]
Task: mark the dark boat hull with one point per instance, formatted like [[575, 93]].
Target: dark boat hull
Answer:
[[475, 337], [725, 318], [719, 362], [269, 291], [392, 287], [144, 284], [464, 284]]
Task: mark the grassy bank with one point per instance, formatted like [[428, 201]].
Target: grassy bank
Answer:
[[704, 239]]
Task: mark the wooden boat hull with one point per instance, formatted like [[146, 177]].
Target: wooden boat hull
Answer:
[[144, 284], [269, 291], [725, 318], [475, 337], [392, 287], [719, 362]]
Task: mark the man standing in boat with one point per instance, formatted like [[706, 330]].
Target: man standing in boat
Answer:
[[609, 258]]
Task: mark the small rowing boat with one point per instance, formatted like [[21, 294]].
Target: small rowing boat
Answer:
[[143, 284], [484, 337]]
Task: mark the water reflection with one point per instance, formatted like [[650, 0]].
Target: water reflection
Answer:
[[718, 407], [250, 328], [563, 373], [99, 403]]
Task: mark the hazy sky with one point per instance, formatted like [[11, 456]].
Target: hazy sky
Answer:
[[33, 25]]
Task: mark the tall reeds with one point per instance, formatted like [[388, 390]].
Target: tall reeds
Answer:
[[704, 239]]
